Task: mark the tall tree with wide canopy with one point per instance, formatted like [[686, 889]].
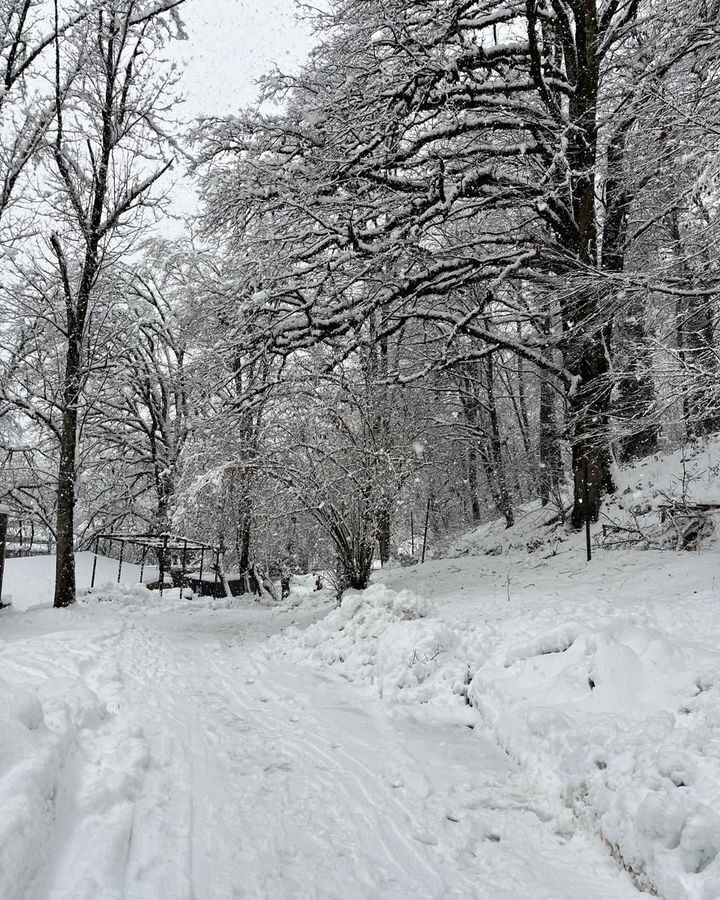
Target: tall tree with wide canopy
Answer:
[[429, 148], [108, 149]]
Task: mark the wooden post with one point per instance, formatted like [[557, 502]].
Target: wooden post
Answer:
[[412, 535], [4, 515], [217, 572], [202, 560], [427, 520], [95, 556], [586, 504]]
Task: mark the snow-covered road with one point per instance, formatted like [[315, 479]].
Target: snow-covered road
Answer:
[[221, 771]]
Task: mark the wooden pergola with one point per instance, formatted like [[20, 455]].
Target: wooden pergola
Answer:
[[162, 545]]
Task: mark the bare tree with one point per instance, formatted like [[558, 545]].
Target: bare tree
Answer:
[[108, 152]]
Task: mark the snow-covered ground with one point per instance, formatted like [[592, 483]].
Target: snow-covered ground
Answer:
[[29, 580], [494, 727]]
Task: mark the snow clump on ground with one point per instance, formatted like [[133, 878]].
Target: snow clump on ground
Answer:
[[390, 639]]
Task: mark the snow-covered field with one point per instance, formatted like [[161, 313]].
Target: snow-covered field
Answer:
[[29, 580], [495, 727]]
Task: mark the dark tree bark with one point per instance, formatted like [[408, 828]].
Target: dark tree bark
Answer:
[[504, 500], [384, 525], [65, 516], [549, 443], [635, 387], [380, 427], [472, 462], [586, 334]]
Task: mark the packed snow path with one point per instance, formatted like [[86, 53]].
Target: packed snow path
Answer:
[[220, 772]]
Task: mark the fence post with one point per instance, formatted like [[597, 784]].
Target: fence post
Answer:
[[95, 556], [586, 504], [120, 565], [217, 571], [4, 515], [142, 565], [183, 579], [412, 535], [163, 554]]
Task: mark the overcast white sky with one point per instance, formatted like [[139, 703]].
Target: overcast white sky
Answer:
[[231, 43]]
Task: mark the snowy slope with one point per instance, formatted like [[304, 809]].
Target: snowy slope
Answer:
[[29, 580], [634, 516], [601, 682]]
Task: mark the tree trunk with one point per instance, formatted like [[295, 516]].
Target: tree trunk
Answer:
[[244, 533], [65, 521], [636, 386], [636, 402], [383, 528], [504, 499], [473, 483], [587, 333], [549, 443], [589, 415]]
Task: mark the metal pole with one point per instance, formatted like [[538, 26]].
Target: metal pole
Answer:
[[122, 553], [586, 504], [184, 566], [217, 572], [4, 515], [95, 556], [202, 560], [142, 564], [163, 553], [427, 520], [412, 535]]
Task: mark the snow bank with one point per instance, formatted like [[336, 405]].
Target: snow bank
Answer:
[[172, 600], [42, 707], [615, 720], [389, 639], [536, 527], [29, 581], [30, 758], [137, 596], [50, 677], [625, 726]]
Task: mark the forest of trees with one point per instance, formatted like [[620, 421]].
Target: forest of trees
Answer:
[[464, 259]]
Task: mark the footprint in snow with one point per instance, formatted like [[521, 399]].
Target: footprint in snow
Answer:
[[425, 837]]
